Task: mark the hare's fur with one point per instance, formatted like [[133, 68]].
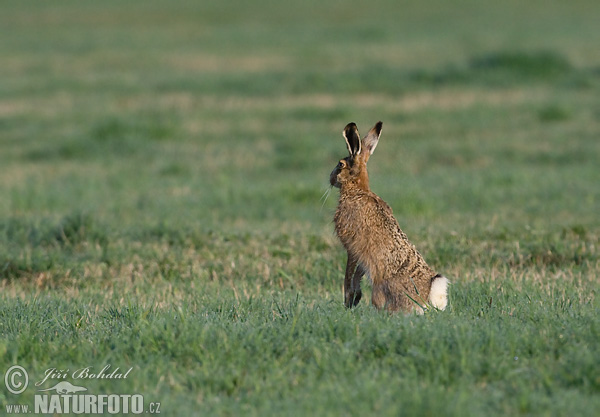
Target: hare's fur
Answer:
[[376, 245]]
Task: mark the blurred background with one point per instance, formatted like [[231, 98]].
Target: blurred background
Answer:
[[124, 121]]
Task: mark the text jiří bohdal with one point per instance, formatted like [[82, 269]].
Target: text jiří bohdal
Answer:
[[88, 372]]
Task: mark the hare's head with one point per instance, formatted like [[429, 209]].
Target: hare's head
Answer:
[[353, 168]]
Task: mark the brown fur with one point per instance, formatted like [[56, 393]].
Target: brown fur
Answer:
[[372, 237]]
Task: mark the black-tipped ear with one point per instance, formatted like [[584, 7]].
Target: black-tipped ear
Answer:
[[372, 139], [352, 139]]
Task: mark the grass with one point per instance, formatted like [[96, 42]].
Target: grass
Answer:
[[162, 167]]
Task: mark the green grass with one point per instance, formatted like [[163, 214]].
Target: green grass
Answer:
[[161, 172]]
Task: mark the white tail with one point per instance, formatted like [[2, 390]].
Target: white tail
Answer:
[[438, 295]]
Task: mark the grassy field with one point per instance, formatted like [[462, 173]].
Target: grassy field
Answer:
[[162, 167]]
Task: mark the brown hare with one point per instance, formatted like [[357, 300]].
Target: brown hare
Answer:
[[376, 245]]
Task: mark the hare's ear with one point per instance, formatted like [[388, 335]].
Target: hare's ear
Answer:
[[352, 139], [372, 139]]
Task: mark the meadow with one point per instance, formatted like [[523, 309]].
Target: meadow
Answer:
[[165, 206]]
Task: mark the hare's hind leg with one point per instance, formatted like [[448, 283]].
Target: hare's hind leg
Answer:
[[378, 297], [383, 297], [354, 273]]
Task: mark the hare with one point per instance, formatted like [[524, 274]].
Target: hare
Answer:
[[376, 245]]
